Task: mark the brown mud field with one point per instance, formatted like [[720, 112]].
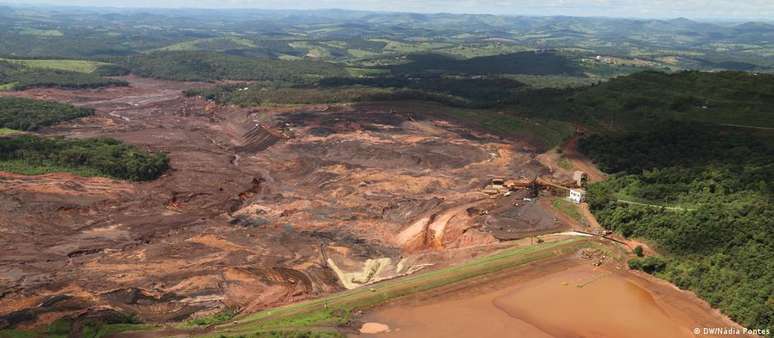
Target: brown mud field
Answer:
[[262, 206], [563, 298]]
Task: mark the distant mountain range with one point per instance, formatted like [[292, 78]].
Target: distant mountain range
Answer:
[[110, 31]]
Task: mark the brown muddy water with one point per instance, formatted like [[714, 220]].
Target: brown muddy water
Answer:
[[565, 300]]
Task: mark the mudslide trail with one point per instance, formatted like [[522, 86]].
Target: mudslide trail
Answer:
[[256, 202]]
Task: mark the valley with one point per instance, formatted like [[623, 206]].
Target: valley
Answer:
[[258, 206], [340, 173]]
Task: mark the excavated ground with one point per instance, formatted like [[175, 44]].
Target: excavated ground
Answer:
[[250, 217]]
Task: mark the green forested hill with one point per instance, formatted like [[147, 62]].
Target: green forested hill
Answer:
[[202, 66], [645, 98], [530, 63], [716, 235], [450, 91], [19, 77]]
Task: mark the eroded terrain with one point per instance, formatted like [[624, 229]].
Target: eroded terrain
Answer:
[[262, 207]]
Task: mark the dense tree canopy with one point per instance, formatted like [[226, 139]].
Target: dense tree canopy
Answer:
[[105, 157], [203, 66], [717, 232], [532, 63], [27, 114], [483, 92], [20, 77], [645, 98]]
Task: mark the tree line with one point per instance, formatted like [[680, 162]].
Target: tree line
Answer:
[[28, 114], [27, 154], [19, 77], [207, 66]]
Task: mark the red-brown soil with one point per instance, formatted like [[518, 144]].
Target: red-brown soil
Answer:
[[255, 203]]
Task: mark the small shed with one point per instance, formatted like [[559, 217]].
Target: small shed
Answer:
[[577, 196]]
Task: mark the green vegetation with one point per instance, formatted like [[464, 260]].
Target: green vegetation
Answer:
[[31, 155], [61, 79], [19, 77], [454, 91], [650, 264], [80, 66], [451, 91], [699, 193], [553, 81], [86, 328], [211, 44], [646, 98], [630, 102], [27, 114], [6, 131], [638, 251], [565, 163], [271, 94], [111, 70], [549, 133], [41, 32], [14, 333], [203, 66], [380, 38], [530, 63], [7, 86], [568, 208], [720, 249], [216, 318]]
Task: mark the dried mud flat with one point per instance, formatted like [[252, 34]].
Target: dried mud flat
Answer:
[[262, 207]]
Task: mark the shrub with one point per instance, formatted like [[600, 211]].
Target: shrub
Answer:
[[649, 264]]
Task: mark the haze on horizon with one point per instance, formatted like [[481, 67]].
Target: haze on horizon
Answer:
[[694, 9]]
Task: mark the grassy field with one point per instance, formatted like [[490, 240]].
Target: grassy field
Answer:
[[42, 32], [413, 47], [7, 86], [568, 208], [25, 168], [196, 44], [565, 163], [6, 131], [335, 309], [80, 66]]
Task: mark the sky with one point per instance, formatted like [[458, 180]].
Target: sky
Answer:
[[696, 9]]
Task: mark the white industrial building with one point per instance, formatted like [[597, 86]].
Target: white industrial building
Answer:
[[577, 196]]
